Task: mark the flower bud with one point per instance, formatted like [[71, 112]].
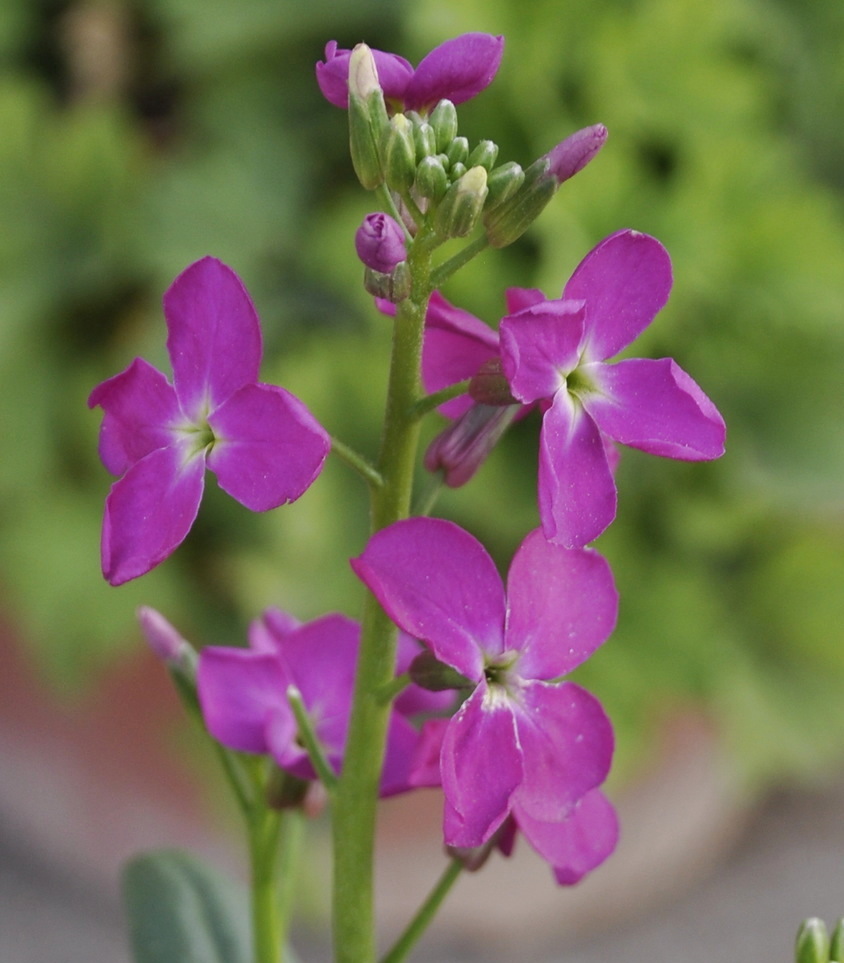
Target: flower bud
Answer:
[[457, 151], [459, 451], [503, 182], [399, 153], [379, 242], [812, 945], [367, 117], [456, 171], [462, 204], [511, 218], [431, 178], [484, 155], [164, 640], [425, 140], [443, 118], [393, 286]]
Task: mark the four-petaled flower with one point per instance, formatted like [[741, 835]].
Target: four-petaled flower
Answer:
[[262, 443], [554, 351], [522, 744], [243, 694], [456, 70]]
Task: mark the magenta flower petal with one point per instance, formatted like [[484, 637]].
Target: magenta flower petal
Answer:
[[566, 743], [540, 345], [481, 765], [559, 617], [517, 299], [402, 740], [437, 583], [625, 280], [238, 691], [657, 407], [457, 70], [269, 447], [138, 406], [149, 511], [425, 767], [214, 336], [332, 75], [456, 345], [577, 496], [267, 634], [577, 843]]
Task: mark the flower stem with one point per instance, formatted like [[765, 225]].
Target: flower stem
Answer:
[[437, 398], [417, 926], [267, 922], [360, 464], [357, 789], [453, 264], [309, 739]]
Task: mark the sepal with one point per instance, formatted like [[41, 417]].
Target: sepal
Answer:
[[460, 208]]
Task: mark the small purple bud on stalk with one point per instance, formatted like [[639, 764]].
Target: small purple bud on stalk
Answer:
[[461, 448], [812, 944], [161, 636], [507, 221], [379, 242]]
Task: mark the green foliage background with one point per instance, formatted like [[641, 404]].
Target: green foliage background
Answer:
[[139, 135]]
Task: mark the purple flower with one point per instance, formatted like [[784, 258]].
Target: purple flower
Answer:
[[554, 351], [379, 242], [456, 70], [243, 694], [573, 845], [262, 443], [521, 743]]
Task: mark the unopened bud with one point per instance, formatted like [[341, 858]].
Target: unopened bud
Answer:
[[459, 451], [164, 640], [431, 178], [393, 286], [379, 242], [484, 155], [812, 945], [367, 117], [460, 208], [399, 151], [443, 118], [425, 141], [457, 151], [508, 220], [503, 182]]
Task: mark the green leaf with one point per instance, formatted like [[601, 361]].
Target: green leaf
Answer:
[[181, 911]]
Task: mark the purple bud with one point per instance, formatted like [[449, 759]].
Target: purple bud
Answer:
[[379, 242], [575, 152], [163, 639], [460, 449]]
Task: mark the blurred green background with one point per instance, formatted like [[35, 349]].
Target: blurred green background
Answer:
[[139, 135]]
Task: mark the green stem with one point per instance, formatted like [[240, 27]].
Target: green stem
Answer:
[[308, 736], [394, 688], [437, 398], [360, 464], [267, 922], [357, 790], [426, 912], [453, 264]]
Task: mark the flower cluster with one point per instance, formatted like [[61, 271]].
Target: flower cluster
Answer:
[[452, 678]]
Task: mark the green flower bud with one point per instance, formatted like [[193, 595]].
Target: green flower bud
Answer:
[[484, 154], [459, 210], [458, 151], [425, 141], [367, 117], [431, 178], [456, 171], [394, 286], [399, 153], [503, 182], [812, 944], [443, 118], [511, 218]]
